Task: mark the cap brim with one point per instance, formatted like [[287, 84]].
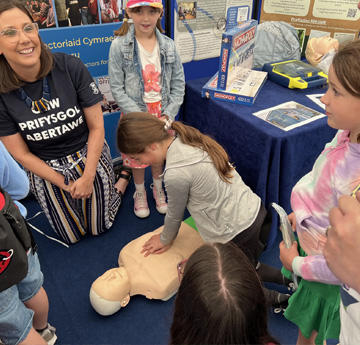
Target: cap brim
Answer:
[[144, 3]]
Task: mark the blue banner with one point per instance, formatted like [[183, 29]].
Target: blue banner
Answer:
[[90, 43]]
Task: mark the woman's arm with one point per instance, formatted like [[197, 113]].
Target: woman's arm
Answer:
[[17, 147], [82, 187]]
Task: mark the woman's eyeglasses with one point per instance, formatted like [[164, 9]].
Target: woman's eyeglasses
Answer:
[[13, 35], [180, 268]]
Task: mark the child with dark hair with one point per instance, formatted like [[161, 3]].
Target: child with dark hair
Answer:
[[220, 300]]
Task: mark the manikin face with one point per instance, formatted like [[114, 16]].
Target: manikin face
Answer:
[[110, 292], [24, 54], [113, 285], [342, 108], [324, 44], [145, 19]]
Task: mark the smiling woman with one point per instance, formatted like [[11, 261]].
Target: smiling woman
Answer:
[[52, 124]]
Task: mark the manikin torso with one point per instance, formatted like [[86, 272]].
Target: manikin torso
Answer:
[[154, 276]]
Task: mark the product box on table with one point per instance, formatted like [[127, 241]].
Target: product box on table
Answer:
[[243, 91], [237, 52]]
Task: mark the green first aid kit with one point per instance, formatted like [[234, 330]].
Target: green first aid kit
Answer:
[[295, 74]]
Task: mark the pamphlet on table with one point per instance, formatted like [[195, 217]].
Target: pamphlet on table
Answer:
[[289, 115], [316, 99]]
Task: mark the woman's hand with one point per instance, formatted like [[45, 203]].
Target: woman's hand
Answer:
[[287, 256], [292, 220], [82, 188], [67, 188], [154, 246]]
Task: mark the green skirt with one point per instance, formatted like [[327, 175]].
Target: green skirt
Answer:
[[315, 306]]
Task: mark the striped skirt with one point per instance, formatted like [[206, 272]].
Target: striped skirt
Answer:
[[73, 218]]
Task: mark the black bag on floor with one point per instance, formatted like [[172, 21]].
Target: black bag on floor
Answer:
[[15, 240]]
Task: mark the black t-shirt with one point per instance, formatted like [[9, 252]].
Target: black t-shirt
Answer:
[[83, 3], [62, 129]]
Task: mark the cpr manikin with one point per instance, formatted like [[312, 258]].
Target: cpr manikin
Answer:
[[320, 51], [154, 276]]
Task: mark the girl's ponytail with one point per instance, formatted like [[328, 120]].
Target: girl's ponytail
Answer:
[[193, 137], [138, 130], [124, 28]]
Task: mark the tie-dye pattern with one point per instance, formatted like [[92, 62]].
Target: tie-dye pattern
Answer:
[[336, 172]]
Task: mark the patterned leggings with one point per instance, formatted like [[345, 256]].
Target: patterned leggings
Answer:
[[73, 218]]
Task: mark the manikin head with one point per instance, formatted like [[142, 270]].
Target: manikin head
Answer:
[[317, 47], [111, 291]]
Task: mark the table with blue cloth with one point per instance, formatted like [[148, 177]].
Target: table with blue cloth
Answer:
[[269, 160]]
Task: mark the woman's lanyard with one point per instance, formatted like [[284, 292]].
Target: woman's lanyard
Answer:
[[41, 104]]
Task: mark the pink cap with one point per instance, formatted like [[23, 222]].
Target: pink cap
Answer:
[[138, 3]]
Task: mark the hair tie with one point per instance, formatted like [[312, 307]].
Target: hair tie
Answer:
[[167, 125], [125, 20]]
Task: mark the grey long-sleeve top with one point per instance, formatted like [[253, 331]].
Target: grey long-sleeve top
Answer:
[[220, 210]]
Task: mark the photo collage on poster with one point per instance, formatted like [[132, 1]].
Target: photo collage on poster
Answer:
[[62, 13], [108, 104], [187, 10]]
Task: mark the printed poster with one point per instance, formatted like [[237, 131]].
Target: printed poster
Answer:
[[339, 19], [199, 25], [108, 104]]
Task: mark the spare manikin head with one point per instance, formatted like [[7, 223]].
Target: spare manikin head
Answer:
[[317, 47]]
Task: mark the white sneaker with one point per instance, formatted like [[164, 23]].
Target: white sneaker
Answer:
[[49, 334], [141, 208], [160, 199]]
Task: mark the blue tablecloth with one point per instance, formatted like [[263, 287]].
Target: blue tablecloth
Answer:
[[269, 160]]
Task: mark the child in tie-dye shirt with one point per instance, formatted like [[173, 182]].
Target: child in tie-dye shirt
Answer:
[[314, 307]]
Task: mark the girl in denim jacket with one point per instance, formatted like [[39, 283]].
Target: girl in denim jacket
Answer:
[[146, 75]]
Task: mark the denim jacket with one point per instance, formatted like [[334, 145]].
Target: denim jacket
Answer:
[[126, 82]]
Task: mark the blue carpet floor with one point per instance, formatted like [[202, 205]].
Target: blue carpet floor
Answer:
[[69, 273]]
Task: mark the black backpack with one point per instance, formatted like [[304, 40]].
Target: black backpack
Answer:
[[15, 240]]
